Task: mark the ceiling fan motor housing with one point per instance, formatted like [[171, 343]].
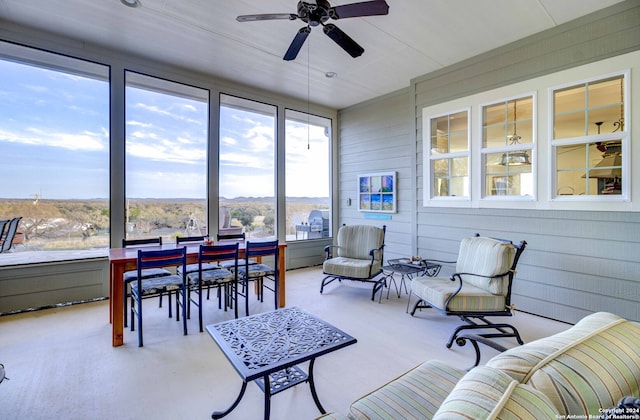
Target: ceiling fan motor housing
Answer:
[[314, 14]]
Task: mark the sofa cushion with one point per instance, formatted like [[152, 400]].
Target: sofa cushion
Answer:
[[487, 393], [583, 369], [415, 395]]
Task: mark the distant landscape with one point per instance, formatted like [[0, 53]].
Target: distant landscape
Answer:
[[84, 224]]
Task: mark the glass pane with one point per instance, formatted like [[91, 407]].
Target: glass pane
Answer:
[[593, 169], [569, 125], [166, 159], [247, 167], [54, 165], [449, 134], [459, 141], [502, 178], [508, 123], [569, 100], [451, 177], [606, 92], [308, 165]]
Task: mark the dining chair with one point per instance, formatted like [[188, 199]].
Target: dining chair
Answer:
[[9, 234], [192, 268], [132, 275], [258, 272], [155, 286], [221, 278], [233, 237]]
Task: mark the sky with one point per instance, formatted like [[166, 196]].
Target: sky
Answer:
[[54, 142]]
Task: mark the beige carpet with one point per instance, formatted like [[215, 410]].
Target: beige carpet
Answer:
[[61, 364]]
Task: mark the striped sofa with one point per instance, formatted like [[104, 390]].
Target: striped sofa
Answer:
[[578, 373]]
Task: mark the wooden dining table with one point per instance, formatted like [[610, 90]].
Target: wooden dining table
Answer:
[[125, 259]]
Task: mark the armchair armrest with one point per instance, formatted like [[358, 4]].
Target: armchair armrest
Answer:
[[328, 251]]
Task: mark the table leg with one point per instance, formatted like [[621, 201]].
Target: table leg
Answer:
[[115, 304], [267, 397], [312, 385], [281, 278], [220, 414]]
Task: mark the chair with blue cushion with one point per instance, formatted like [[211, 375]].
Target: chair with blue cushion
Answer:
[[155, 286], [132, 275], [479, 288], [357, 256], [259, 272], [221, 278]]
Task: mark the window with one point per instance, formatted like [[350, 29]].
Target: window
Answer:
[[590, 140], [54, 137], [448, 155], [507, 147], [165, 158], [307, 177], [247, 167]]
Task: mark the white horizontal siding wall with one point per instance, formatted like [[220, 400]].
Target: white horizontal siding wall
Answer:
[[576, 262]]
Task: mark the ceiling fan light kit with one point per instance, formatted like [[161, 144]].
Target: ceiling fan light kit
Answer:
[[317, 14]]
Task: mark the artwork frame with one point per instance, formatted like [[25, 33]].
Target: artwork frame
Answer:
[[377, 192]]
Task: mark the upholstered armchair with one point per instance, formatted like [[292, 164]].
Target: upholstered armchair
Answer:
[[479, 288], [357, 255]]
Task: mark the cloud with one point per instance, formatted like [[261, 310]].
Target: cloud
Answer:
[[83, 141]]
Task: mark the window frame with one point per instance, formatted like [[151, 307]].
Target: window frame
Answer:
[[430, 158], [624, 136], [531, 147]]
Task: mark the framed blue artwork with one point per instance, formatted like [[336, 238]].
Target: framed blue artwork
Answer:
[[377, 192]]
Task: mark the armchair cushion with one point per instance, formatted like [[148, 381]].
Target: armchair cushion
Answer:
[[437, 290], [350, 267], [357, 241], [485, 257]]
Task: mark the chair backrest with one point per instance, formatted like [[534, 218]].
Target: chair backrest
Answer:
[[211, 253], [162, 258], [12, 228], [489, 257], [229, 236], [141, 242], [357, 241], [3, 223], [189, 239]]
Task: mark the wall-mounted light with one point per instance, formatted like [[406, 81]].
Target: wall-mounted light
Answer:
[[348, 202]]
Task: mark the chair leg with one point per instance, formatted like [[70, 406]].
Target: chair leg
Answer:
[[139, 314]]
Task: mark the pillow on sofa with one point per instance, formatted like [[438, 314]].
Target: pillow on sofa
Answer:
[[586, 368], [486, 393]]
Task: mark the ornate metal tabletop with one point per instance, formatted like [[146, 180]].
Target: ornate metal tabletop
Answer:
[[266, 347]]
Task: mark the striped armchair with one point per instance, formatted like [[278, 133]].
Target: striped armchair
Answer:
[[357, 256], [480, 287]]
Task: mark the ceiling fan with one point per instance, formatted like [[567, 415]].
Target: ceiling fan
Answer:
[[318, 13]]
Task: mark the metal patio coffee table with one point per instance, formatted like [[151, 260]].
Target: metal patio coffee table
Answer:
[[267, 348]]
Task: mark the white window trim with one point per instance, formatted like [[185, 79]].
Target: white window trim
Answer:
[[544, 177], [623, 135]]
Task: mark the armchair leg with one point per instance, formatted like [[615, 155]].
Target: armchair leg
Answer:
[[325, 282], [500, 328]]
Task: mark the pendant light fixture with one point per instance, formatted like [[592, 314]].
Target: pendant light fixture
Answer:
[[519, 157]]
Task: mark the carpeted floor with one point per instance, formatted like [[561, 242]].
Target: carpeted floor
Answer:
[[61, 364]]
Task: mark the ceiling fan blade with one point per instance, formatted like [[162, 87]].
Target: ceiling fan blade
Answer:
[[297, 43], [266, 16], [344, 40], [365, 8]]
